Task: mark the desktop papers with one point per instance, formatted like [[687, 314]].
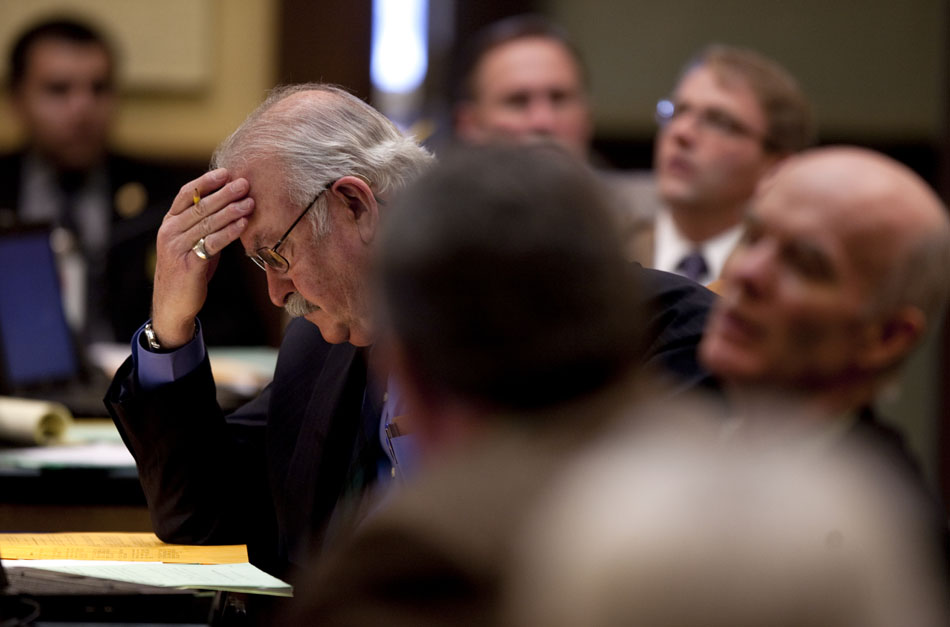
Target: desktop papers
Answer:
[[139, 558], [226, 577], [87, 443], [126, 547]]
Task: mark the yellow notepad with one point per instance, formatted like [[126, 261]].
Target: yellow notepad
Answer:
[[127, 547]]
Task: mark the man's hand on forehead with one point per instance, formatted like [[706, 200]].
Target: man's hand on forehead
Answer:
[[207, 214]]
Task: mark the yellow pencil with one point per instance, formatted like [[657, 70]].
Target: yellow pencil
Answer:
[[197, 197]]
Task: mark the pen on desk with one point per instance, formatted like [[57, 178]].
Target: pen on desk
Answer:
[[197, 197]]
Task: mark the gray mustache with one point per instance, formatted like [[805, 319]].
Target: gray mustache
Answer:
[[297, 306]]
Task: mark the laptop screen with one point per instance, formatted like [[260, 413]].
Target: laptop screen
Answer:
[[35, 342]]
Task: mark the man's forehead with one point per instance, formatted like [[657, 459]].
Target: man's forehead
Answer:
[[54, 52], [520, 59], [796, 210], [824, 221], [269, 192], [708, 82]]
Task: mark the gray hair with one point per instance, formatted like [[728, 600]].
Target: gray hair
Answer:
[[919, 276], [318, 140]]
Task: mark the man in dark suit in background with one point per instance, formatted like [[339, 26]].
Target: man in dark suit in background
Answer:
[[105, 207]]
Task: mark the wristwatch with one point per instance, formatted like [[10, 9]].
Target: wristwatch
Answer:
[[151, 338]]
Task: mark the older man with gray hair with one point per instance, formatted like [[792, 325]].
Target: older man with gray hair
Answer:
[[840, 271], [300, 183]]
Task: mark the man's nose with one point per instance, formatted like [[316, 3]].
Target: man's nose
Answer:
[[751, 269], [82, 97], [542, 116], [684, 128], [279, 287]]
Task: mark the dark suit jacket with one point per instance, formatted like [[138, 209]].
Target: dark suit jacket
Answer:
[[141, 192], [271, 474]]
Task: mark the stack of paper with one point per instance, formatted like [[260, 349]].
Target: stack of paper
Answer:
[[139, 558]]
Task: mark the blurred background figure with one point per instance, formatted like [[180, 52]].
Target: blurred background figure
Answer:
[[733, 116], [522, 80], [842, 268], [664, 530], [61, 84], [105, 207]]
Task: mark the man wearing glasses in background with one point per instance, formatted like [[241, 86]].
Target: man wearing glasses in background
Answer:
[[733, 116]]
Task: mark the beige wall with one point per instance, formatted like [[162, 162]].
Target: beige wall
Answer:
[[185, 114], [871, 67]]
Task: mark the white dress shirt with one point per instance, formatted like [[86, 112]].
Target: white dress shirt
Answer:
[[670, 246]]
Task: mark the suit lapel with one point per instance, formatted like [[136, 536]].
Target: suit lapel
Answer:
[[318, 439]]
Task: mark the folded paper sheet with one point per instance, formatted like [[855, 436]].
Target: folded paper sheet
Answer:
[[139, 558], [126, 547], [231, 577]]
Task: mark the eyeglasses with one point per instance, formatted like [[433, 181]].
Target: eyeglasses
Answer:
[[715, 120], [268, 257]]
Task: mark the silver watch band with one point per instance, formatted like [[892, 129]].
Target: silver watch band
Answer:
[[151, 338]]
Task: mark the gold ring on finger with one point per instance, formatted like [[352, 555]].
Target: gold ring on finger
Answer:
[[200, 249]]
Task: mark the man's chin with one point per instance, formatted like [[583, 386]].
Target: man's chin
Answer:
[[677, 195], [359, 338], [341, 333], [727, 361], [330, 334]]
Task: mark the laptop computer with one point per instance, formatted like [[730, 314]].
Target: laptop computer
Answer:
[[39, 356]]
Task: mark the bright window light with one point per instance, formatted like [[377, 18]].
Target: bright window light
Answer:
[[400, 45]]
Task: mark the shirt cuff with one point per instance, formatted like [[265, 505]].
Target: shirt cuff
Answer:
[[156, 369]]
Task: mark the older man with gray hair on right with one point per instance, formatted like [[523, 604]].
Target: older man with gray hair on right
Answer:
[[842, 268]]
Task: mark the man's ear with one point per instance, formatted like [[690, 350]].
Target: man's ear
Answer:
[[361, 204], [891, 339]]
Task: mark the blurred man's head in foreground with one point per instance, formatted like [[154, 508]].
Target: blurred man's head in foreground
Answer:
[[664, 530], [502, 283]]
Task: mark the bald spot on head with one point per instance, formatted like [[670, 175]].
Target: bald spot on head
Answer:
[[881, 210], [302, 100]]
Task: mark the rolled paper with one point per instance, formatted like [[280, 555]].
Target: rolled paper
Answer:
[[25, 421]]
